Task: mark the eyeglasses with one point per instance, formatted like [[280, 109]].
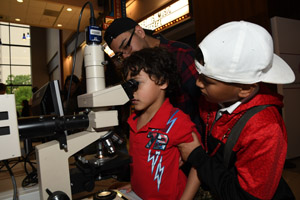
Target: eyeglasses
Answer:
[[127, 48]]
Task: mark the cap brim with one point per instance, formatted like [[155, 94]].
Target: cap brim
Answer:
[[279, 73]]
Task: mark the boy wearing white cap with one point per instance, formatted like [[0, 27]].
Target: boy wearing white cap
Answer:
[[233, 62]]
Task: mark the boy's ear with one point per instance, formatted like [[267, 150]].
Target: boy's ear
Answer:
[[163, 86], [247, 89]]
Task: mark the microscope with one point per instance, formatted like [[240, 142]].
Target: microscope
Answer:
[[53, 166], [54, 173], [98, 122]]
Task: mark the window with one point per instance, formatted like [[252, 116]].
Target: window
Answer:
[[15, 60]]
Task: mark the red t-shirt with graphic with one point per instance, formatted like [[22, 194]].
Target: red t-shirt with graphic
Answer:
[[155, 172]]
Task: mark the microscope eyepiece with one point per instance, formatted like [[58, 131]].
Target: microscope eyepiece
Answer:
[[130, 87], [133, 84]]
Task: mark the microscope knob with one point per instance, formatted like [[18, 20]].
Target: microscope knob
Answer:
[[57, 195]]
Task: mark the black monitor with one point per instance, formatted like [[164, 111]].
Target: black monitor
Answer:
[[47, 100]]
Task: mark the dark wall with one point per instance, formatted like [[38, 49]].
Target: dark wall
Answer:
[[284, 8], [190, 39], [209, 14]]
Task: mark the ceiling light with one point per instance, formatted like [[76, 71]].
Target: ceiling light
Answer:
[[59, 25], [17, 19], [69, 9], [20, 1]]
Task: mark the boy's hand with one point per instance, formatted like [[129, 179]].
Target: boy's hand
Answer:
[[186, 148]]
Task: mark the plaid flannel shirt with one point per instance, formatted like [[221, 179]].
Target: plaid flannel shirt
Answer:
[[189, 92]]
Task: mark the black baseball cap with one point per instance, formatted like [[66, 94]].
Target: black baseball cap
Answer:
[[118, 26]]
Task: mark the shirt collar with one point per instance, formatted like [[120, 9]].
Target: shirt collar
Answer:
[[231, 108]]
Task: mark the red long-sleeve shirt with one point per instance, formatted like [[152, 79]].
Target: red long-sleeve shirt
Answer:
[[260, 151]]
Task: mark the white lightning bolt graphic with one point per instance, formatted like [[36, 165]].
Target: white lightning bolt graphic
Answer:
[[159, 172], [153, 158]]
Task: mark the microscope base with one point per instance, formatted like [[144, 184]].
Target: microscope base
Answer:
[[53, 165]]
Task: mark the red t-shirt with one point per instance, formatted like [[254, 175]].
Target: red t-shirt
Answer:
[[155, 172]]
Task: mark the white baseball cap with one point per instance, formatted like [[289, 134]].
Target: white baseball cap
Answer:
[[242, 52]]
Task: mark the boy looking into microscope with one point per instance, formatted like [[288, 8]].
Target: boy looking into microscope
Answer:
[[157, 129]]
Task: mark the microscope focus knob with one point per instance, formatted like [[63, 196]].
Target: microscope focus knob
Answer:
[[57, 195]]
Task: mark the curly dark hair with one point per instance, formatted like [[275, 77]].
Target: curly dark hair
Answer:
[[158, 63]]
